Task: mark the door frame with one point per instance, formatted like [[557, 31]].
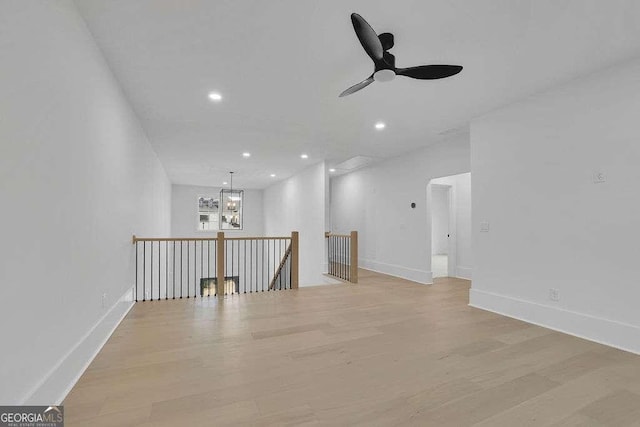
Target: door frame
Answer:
[[452, 267]]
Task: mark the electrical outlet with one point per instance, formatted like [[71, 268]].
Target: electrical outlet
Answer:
[[104, 300], [554, 294]]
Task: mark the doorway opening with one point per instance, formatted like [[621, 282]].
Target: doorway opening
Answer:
[[440, 229], [449, 217]]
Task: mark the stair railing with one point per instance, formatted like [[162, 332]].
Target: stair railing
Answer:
[[342, 256], [174, 268]]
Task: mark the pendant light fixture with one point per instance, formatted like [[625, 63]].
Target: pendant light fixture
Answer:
[[231, 202]]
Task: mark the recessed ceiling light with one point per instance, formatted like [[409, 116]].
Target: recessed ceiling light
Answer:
[[246, 154], [225, 183], [273, 175], [215, 96], [304, 156], [380, 125], [332, 170]]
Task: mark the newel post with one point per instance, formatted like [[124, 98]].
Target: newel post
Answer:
[[354, 257], [220, 265], [294, 260]]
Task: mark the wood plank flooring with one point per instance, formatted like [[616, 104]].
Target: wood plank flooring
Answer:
[[384, 352]]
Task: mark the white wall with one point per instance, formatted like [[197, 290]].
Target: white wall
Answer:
[[439, 220], [461, 260], [77, 179], [184, 210], [298, 204], [550, 225], [394, 238]]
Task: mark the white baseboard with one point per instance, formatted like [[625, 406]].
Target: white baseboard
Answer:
[[420, 276], [59, 381], [464, 272], [603, 331]]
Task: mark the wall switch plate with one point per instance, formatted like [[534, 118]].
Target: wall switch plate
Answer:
[[599, 177], [554, 294], [484, 226]]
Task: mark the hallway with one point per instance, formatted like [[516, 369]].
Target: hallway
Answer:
[[383, 352]]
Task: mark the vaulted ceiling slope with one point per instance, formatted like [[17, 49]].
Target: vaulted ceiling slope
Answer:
[[281, 64]]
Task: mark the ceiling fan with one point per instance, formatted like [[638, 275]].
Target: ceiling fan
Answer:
[[377, 47]]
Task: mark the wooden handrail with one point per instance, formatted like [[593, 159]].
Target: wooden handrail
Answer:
[[259, 238], [285, 257], [190, 239], [169, 239]]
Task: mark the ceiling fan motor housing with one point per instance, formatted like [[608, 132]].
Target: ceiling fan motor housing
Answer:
[[385, 71], [385, 75]]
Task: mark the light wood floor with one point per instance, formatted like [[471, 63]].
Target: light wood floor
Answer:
[[384, 352]]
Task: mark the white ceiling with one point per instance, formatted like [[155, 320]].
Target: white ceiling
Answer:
[[281, 64]]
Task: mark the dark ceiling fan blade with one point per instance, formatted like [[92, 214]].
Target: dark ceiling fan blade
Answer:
[[356, 87], [368, 37], [389, 59], [429, 72], [387, 40]]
